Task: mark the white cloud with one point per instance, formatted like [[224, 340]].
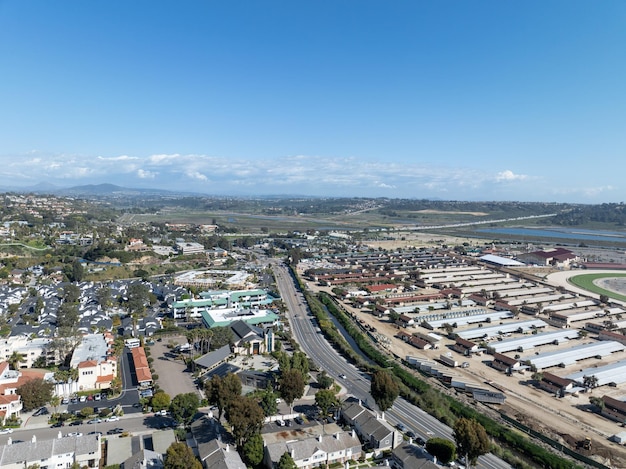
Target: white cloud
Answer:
[[508, 175], [196, 175], [143, 174]]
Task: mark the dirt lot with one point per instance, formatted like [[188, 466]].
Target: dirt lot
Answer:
[[566, 419]]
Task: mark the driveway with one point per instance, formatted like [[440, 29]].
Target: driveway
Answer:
[[173, 378]]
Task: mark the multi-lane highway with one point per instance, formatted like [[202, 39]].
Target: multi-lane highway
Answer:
[[306, 332]]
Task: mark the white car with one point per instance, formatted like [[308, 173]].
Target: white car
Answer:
[[342, 376], [112, 418], [4, 431]]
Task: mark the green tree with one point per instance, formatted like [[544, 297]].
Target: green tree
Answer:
[[160, 400], [300, 362], [35, 393], [291, 386], [443, 449], [286, 462], [246, 419], [221, 392], [325, 399], [324, 381], [471, 439], [180, 456], [15, 359], [184, 406], [253, 450], [384, 389], [268, 402], [71, 293]]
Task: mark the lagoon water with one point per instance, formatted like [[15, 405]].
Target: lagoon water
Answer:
[[562, 233]]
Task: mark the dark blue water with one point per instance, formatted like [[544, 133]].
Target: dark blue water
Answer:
[[579, 234]]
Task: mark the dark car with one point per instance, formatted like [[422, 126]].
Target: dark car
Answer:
[[115, 431], [420, 441], [288, 423], [57, 425], [76, 423], [299, 420], [41, 411], [410, 434]]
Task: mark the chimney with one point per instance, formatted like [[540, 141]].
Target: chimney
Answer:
[[336, 435], [34, 439], [353, 433], [227, 448], [9, 441], [60, 435], [292, 452], [319, 437], [382, 416]]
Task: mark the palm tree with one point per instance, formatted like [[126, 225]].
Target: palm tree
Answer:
[[15, 359]]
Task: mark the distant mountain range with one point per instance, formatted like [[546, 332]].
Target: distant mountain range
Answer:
[[95, 190]]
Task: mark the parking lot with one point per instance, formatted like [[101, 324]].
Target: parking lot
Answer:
[[173, 376]]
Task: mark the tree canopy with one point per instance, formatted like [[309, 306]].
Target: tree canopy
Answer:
[[325, 399], [291, 385], [253, 450], [180, 456], [222, 391], [184, 406], [246, 418], [471, 439], [443, 449], [35, 393], [384, 389], [286, 462]]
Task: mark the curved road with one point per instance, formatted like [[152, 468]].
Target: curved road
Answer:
[[356, 383]]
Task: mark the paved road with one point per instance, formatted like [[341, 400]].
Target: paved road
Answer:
[[357, 383]]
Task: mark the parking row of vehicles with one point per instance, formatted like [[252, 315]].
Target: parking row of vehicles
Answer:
[[75, 399]]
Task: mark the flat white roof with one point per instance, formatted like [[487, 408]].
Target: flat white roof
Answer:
[[493, 331], [574, 354], [612, 373], [493, 259], [531, 341]]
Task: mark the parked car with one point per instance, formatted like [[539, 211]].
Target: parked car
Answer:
[[401, 427], [57, 424], [161, 412], [74, 434], [280, 423], [299, 420], [420, 441], [66, 400], [95, 433], [97, 397], [82, 398], [4, 431], [41, 411], [90, 397], [115, 431], [75, 423], [410, 434], [97, 420], [112, 418], [288, 423], [146, 393]]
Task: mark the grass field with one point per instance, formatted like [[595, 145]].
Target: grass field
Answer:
[[586, 281]]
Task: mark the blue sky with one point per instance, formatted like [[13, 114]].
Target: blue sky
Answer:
[[456, 100]]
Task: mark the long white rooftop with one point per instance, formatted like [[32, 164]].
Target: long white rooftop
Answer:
[[574, 354], [529, 342], [493, 331]]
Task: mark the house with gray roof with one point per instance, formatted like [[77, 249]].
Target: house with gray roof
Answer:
[[210, 360], [410, 456], [251, 340], [144, 459], [58, 452], [208, 446], [307, 453], [375, 431]]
